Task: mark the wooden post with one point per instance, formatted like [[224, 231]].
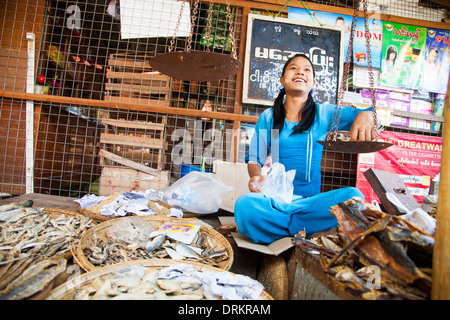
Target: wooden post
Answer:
[[441, 257]]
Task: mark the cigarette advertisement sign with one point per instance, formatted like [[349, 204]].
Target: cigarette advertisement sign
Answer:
[[402, 55], [416, 159], [436, 66]]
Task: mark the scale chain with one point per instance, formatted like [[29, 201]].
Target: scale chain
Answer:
[[172, 41], [337, 113]]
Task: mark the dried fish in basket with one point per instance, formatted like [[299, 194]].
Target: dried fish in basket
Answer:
[[383, 244], [98, 247], [31, 242], [150, 280], [47, 232], [34, 279]]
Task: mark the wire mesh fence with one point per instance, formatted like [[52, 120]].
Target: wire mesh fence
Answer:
[[101, 51]]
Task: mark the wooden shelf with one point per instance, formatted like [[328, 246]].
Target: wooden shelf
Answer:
[[414, 115], [134, 124], [144, 142]]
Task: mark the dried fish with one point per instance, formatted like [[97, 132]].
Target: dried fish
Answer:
[[383, 243], [123, 286], [15, 205], [174, 254], [102, 253], [390, 256], [34, 231], [33, 280], [186, 251], [155, 243]]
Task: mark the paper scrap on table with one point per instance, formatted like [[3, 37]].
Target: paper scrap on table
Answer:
[[180, 231], [125, 203], [89, 200]]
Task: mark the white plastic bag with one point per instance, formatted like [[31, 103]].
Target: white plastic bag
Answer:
[[196, 192], [279, 184]]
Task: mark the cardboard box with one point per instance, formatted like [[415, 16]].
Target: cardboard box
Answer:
[[234, 175], [273, 249], [120, 179]]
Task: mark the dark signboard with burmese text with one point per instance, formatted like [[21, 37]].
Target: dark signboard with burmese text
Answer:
[[271, 42]]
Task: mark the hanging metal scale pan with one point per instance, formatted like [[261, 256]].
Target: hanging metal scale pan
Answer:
[[356, 146], [196, 65], [340, 140]]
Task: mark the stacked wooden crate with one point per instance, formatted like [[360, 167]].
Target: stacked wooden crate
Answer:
[[133, 149], [132, 156], [132, 79]]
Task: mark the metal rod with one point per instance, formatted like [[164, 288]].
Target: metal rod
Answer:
[[29, 148]]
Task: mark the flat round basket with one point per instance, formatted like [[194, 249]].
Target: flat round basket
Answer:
[[68, 290], [213, 239], [102, 217]]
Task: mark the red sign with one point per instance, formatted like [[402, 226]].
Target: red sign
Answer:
[[414, 158]]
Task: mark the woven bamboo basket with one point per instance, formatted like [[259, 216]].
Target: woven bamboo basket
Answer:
[[99, 232], [101, 217], [66, 291], [273, 275]]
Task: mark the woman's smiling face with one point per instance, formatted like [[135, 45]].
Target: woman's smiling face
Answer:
[[298, 76]]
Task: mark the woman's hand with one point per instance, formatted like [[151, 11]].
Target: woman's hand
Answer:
[[256, 179], [255, 183], [363, 128]]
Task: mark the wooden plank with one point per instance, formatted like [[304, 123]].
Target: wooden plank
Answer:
[[441, 256], [124, 88], [415, 115], [123, 62], [277, 5], [311, 265], [123, 105], [128, 163], [45, 200], [141, 101], [155, 76], [132, 141], [134, 124]]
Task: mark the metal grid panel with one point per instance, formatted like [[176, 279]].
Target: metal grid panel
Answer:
[[76, 42]]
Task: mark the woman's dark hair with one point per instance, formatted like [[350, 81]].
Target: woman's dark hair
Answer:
[[308, 112], [391, 49]]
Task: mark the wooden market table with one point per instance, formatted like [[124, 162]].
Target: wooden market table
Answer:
[[308, 281]]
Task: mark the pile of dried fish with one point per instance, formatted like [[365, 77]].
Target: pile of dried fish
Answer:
[[375, 255], [119, 247], [29, 240], [29, 276], [179, 281], [119, 286], [37, 231]]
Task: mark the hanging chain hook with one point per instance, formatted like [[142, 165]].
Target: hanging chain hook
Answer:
[[194, 17], [172, 41], [209, 26], [232, 37]]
